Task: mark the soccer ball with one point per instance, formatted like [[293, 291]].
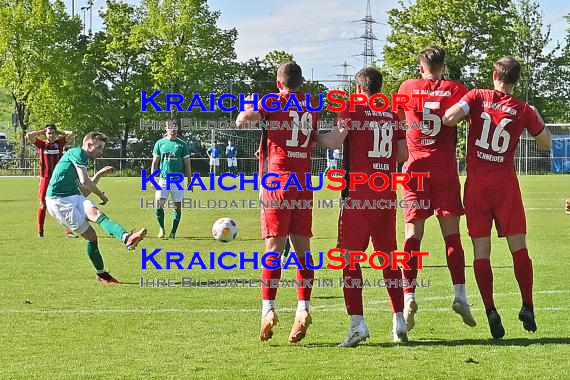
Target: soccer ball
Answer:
[[225, 230]]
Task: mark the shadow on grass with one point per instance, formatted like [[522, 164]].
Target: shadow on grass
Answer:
[[522, 342], [327, 297]]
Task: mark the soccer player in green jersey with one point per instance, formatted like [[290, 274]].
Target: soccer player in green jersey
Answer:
[[67, 201], [173, 156]]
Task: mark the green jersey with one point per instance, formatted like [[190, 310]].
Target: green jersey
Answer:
[[64, 179], [172, 154]]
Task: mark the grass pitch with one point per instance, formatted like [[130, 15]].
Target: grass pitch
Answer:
[[57, 321]]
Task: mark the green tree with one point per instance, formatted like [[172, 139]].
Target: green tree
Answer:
[[117, 58], [473, 33], [186, 51], [539, 64], [38, 53], [561, 81]]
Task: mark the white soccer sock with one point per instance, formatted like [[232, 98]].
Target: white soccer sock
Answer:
[[397, 316], [460, 292], [303, 305], [355, 320], [100, 271], [267, 305], [409, 296], [125, 237]]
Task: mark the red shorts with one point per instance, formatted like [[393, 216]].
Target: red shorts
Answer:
[[357, 227], [498, 200], [283, 221], [44, 182], [442, 188]]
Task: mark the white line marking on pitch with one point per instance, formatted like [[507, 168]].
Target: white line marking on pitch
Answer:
[[256, 310]]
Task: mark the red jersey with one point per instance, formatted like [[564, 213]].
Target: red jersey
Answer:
[[497, 122], [287, 142], [430, 136], [50, 153], [371, 145]]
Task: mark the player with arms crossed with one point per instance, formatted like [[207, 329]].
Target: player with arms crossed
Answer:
[[172, 155], [66, 201], [492, 191], [369, 151], [285, 151], [432, 150], [50, 150]]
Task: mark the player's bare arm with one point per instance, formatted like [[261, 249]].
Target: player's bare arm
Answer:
[[86, 183], [454, 115], [402, 152], [544, 138], [155, 162], [188, 169], [95, 179], [32, 136], [67, 135], [401, 113], [248, 114], [334, 138]]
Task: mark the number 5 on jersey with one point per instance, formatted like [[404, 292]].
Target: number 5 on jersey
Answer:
[[435, 119]]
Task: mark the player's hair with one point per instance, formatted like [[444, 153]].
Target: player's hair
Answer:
[[50, 126], [433, 57], [508, 70], [290, 75], [370, 79], [95, 136]]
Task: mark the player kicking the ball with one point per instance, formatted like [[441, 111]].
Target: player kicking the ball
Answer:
[[369, 151], [173, 156], [285, 151], [492, 191], [432, 150], [66, 201]]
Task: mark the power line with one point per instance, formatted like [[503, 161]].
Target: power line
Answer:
[[345, 77], [368, 36]]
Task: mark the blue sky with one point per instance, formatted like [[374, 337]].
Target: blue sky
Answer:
[[319, 33]]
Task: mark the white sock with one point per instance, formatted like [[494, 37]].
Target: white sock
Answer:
[[267, 305], [460, 292], [100, 271], [397, 316], [409, 296], [303, 305], [355, 320], [124, 237]]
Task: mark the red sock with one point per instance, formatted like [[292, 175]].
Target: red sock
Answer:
[[396, 293], [269, 292], [304, 291], [484, 277], [353, 295], [41, 219], [455, 258], [411, 245], [523, 274]]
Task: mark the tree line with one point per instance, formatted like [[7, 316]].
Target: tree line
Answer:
[[54, 72]]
